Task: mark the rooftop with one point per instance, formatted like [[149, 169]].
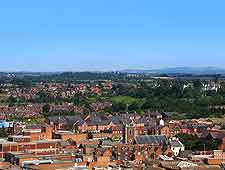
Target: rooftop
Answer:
[[64, 132], [151, 139], [19, 136], [176, 143], [5, 141]]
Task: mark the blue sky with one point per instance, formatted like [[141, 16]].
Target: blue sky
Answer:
[[56, 35]]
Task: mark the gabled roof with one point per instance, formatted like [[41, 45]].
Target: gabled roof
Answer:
[[204, 134], [217, 135], [176, 143], [200, 126], [153, 114], [151, 139], [116, 119], [65, 119], [57, 119], [72, 119]]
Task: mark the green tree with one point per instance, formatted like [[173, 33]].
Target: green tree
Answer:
[[3, 133], [46, 108]]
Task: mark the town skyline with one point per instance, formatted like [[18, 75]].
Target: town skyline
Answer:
[[112, 85]]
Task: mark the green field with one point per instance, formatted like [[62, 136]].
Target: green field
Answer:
[[126, 100]]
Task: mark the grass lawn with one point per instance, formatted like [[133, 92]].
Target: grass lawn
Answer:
[[127, 100]]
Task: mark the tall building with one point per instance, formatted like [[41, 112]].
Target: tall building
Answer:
[[130, 133]]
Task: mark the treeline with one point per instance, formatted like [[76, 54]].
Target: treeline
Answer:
[[171, 96], [70, 77], [195, 143]]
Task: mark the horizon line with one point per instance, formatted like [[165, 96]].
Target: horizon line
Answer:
[[115, 70]]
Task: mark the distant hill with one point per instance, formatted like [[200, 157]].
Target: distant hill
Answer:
[[179, 70], [169, 71]]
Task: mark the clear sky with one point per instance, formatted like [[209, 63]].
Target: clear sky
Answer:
[[56, 35]]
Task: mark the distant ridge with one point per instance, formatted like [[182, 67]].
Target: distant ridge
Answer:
[[169, 70], [178, 70]]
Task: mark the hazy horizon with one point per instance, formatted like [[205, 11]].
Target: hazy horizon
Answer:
[[187, 68]]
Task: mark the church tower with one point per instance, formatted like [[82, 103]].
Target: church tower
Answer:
[[130, 133]]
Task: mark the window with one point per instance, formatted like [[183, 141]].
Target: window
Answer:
[[130, 132]]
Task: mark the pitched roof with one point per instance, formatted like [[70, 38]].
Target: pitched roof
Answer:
[[176, 143], [34, 126], [151, 139], [65, 119], [217, 135]]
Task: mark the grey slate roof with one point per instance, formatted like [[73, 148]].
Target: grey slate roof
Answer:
[[35, 126], [175, 143], [151, 139], [65, 119]]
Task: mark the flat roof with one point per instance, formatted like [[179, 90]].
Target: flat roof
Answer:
[[64, 132], [47, 141], [19, 136], [5, 141], [29, 155]]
